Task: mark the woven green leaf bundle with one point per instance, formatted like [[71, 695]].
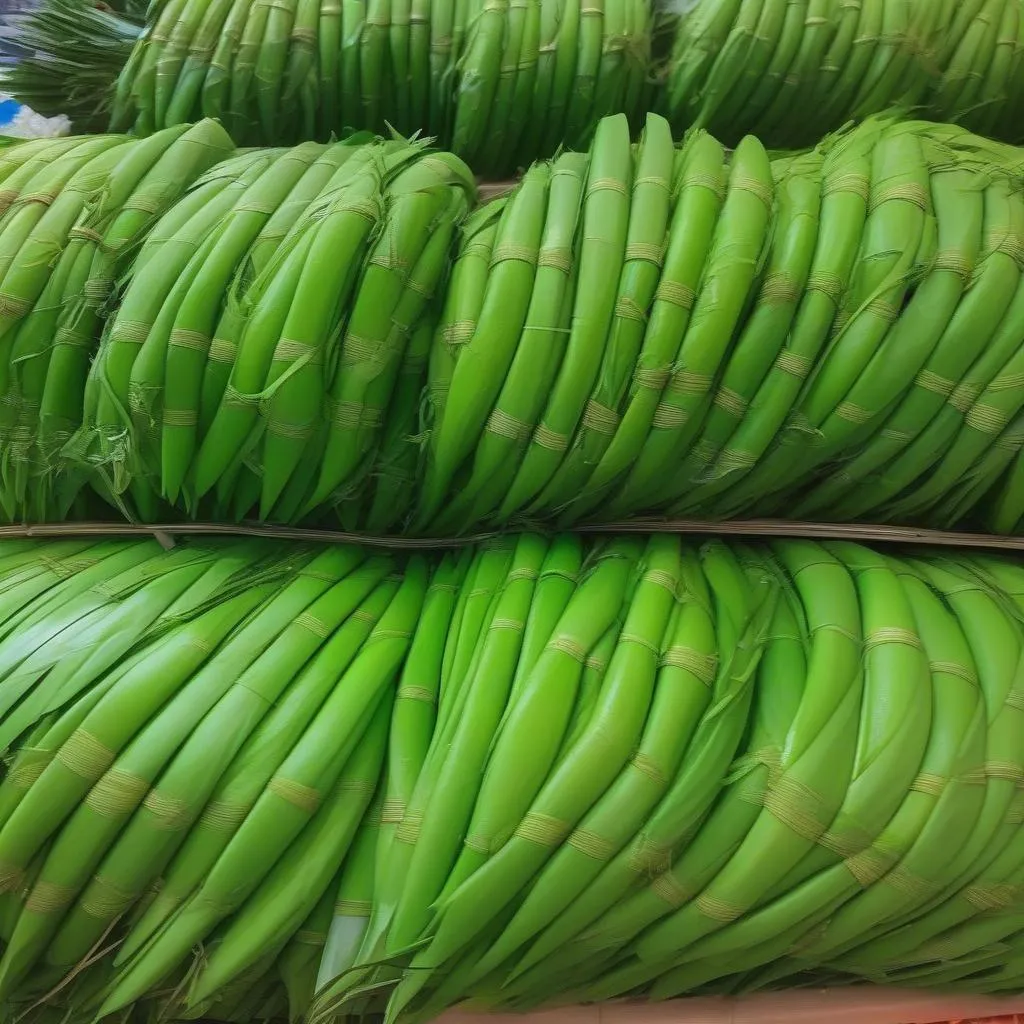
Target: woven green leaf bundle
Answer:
[[253, 780], [503, 82], [239, 347], [72, 214], [831, 334], [341, 333], [791, 71], [498, 81], [255, 352]]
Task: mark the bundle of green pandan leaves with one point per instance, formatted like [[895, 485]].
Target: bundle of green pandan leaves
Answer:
[[343, 333], [249, 779]]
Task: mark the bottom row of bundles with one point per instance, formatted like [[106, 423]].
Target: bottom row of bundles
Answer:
[[248, 779]]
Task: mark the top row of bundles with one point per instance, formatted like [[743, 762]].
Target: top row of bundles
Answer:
[[504, 82], [344, 334]]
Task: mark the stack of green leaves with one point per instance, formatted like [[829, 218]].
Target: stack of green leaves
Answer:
[[708, 769], [72, 214], [248, 780], [833, 334], [504, 82], [537, 75], [501, 82], [792, 70], [980, 60], [640, 329], [214, 718], [269, 320]]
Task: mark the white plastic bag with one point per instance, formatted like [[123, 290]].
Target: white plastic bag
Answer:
[[20, 122]]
